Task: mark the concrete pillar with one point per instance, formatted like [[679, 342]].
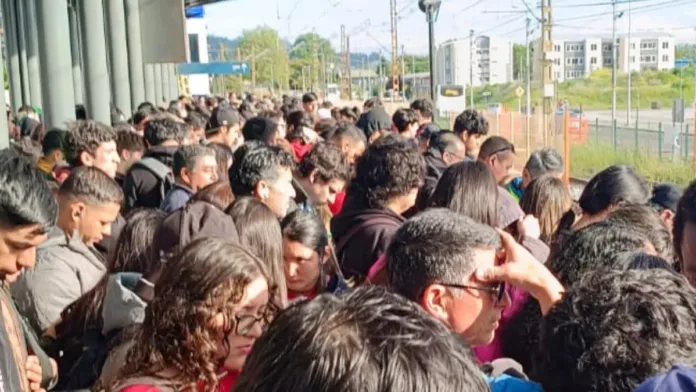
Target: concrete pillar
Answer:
[[150, 84], [159, 91], [22, 42], [165, 82], [97, 87], [78, 87], [54, 49], [135, 53], [4, 130], [118, 48], [13, 69], [175, 81], [33, 60]]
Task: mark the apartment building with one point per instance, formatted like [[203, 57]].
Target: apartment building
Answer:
[[573, 59], [491, 62]]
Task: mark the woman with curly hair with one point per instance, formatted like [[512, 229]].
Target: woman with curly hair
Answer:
[[210, 306]]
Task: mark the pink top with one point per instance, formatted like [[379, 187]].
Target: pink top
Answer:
[[377, 266], [493, 350]]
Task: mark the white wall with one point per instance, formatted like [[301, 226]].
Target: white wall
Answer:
[[666, 53], [199, 84]]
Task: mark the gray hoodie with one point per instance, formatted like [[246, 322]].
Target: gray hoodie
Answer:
[[65, 269], [122, 308]]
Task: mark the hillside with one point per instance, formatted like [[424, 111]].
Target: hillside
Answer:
[[594, 92]]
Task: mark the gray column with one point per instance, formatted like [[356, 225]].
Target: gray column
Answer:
[[159, 91], [22, 42], [4, 130], [118, 48], [175, 81], [165, 83], [150, 84], [97, 89], [135, 53], [33, 61], [78, 88], [54, 48], [13, 68]]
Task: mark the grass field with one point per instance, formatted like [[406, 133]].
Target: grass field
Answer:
[[594, 92], [587, 159]]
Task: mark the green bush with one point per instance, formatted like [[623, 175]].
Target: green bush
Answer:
[[588, 159]]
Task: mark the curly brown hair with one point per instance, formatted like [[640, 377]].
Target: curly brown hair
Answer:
[[206, 278]]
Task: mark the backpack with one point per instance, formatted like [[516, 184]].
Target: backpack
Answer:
[[163, 173]]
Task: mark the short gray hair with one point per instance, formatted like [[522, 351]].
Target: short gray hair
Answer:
[[546, 160], [437, 245], [186, 156]]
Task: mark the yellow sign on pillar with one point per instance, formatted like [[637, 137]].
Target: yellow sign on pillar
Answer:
[[519, 91]]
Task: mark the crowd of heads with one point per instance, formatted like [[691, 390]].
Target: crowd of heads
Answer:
[[264, 244]]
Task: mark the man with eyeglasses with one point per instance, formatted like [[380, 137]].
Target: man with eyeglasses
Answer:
[[499, 154], [460, 270]]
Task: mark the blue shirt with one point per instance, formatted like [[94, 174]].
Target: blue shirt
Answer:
[[505, 383], [176, 198]]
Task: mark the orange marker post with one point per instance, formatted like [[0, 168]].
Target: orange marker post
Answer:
[[566, 147]]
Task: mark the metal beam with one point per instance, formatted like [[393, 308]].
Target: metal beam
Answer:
[[14, 72], [135, 53], [54, 49], [33, 61], [97, 87], [118, 50]]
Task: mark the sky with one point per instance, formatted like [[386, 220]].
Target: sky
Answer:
[[368, 21]]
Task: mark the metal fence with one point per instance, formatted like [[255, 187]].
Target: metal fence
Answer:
[[665, 142]]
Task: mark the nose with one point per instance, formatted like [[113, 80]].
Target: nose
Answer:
[[292, 269], [332, 198], [27, 258], [505, 301], [256, 330]]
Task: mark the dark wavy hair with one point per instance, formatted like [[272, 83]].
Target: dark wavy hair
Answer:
[[686, 213], [615, 329], [206, 278], [370, 340], [390, 167]]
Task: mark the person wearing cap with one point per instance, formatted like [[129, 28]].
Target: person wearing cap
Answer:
[[665, 198], [53, 153], [224, 127], [374, 123], [309, 103]]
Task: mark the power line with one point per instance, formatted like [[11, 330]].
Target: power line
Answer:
[[599, 4], [470, 6]]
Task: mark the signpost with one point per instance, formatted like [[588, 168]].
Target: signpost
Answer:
[[227, 68], [519, 91], [450, 98]]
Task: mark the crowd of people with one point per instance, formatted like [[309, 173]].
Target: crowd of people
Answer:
[[261, 245]]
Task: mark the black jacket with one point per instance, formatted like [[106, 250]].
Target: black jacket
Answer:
[[141, 187], [434, 167], [362, 234]]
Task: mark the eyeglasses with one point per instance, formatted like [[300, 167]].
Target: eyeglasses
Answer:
[[497, 291], [244, 324], [510, 147]]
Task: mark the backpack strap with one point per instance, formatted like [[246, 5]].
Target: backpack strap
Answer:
[[159, 169], [161, 384]]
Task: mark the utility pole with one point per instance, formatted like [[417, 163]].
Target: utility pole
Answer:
[[431, 8], [315, 56], [413, 70], [344, 65], [628, 61], [350, 78], [547, 68], [528, 75], [403, 67], [379, 81], [253, 69], [613, 61], [471, 69], [395, 51]]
